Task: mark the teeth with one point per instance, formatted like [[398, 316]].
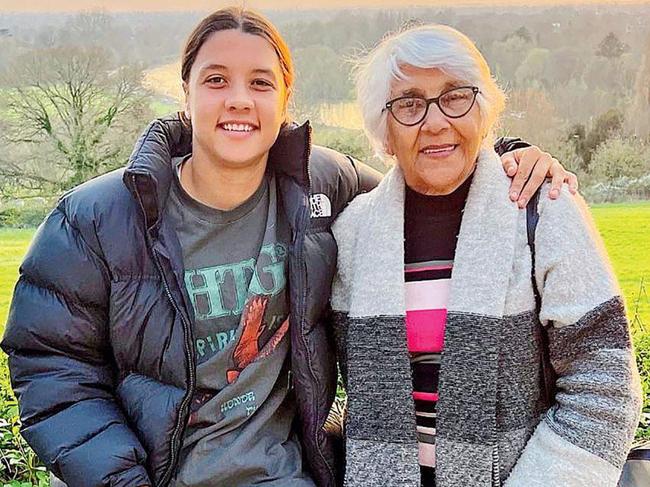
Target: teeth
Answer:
[[441, 149], [237, 127]]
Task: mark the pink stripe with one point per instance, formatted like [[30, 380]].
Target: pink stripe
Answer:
[[425, 396], [427, 454], [427, 294], [430, 268], [425, 330]]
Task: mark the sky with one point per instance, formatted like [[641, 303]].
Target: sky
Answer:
[[208, 5]]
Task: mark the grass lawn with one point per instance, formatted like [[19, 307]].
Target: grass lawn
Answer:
[[13, 245], [624, 227], [626, 231]]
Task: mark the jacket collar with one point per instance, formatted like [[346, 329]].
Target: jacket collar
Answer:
[[149, 174]]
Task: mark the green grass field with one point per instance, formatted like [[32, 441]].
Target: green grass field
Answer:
[[626, 231], [13, 245], [624, 227]]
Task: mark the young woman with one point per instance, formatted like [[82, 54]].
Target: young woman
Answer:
[[168, 326]]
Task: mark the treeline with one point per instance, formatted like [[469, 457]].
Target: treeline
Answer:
[[577, 79]]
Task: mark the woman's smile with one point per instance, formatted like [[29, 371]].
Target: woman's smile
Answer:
[[438, 151]]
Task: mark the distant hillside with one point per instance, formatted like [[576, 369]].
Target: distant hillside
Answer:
[[165, 81]]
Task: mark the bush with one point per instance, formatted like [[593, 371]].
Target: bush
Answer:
[[19, 465], [619, 172], [24, 213], [620, 157], [618, 190], [350, 142]]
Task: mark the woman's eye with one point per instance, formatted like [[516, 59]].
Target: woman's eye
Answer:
[[406, 103], [262, 83], [215, 80]]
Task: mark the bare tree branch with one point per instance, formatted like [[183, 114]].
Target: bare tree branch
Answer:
[[69, 104]]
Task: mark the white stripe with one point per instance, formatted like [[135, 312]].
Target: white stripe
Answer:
[[549, 459], [427, 431], [427, 294], [427, 454]]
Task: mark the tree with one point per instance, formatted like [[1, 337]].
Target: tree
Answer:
[[611, 47], [577, 137], [69, 118], [619, 157], [564, 65], [608, 125], [522, 32], [322, 77], [532, 71], [531, 115], [506, 56], [639, 112]]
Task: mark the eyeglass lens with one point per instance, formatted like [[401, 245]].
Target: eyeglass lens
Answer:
[[453, 103]]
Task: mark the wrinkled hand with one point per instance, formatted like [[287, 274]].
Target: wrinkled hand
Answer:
[[529, 167]]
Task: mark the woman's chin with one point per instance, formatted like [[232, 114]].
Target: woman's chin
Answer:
[[436, 182]]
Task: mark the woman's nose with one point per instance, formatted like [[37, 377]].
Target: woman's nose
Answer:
[[239, 99], [435, 120]]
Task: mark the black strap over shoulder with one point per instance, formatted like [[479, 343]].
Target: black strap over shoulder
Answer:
[[532, 217], [641, 452], [637, 468], [548, 373]]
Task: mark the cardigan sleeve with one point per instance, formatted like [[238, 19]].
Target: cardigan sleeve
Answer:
[[585, 436]]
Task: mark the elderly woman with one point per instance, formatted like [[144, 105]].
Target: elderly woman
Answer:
[[437, 324]]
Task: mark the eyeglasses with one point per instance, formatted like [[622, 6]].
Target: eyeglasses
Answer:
[[454, 103]]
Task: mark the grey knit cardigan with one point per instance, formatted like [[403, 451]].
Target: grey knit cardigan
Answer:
[[493, 427]]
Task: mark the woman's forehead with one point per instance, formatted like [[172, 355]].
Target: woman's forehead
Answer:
[[233, 49], [416, 80]]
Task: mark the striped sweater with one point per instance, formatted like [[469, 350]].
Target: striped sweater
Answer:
[[431, 226], [493, 427]]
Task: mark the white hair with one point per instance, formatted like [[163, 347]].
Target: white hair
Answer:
[[427, 46]]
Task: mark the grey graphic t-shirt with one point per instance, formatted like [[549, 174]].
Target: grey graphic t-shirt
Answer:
[[240, 427]]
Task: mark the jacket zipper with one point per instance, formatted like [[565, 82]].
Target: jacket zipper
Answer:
[[189, 357], [300, 239], [187, 332]]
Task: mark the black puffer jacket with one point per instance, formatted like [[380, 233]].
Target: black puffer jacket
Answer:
[[99, 335]]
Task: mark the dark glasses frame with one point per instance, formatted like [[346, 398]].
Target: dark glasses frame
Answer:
[[429, 102]]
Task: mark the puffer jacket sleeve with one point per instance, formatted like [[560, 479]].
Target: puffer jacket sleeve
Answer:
[[60, 360], [368, 178], [584, 438]]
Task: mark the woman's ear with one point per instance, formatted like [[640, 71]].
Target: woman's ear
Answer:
[[285, 108], [388, 149], [186, 103]]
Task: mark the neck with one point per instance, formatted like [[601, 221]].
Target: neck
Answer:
[[220, 186]]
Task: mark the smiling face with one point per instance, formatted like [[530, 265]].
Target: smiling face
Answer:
[[437, 155], [235, 99]]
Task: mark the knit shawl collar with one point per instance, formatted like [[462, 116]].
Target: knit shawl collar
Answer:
[[484, 253]]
